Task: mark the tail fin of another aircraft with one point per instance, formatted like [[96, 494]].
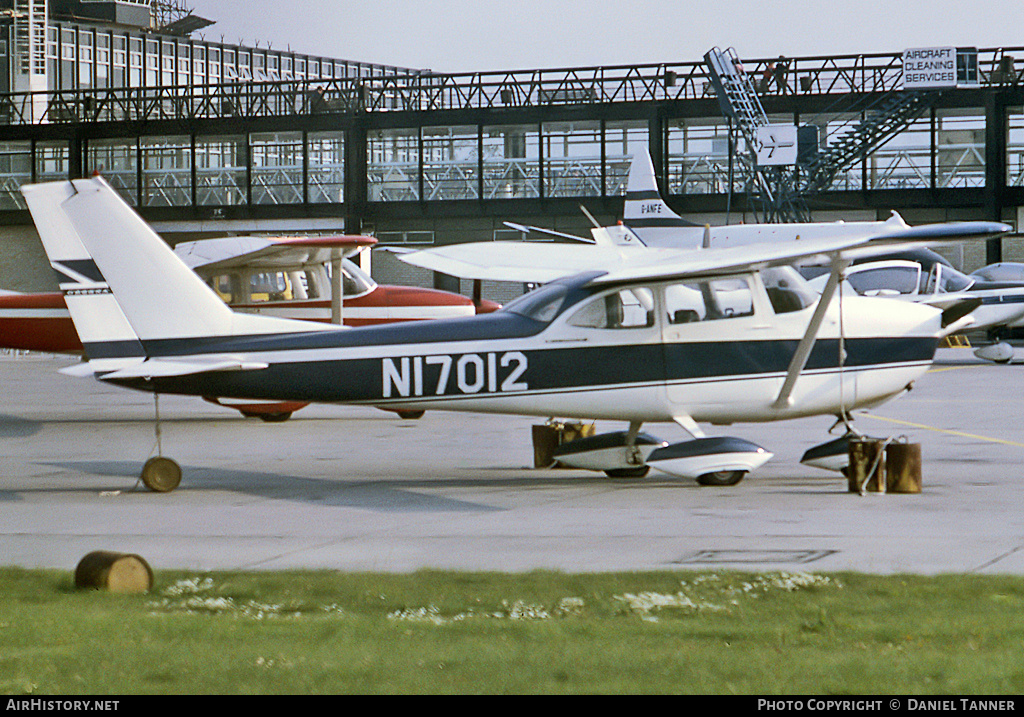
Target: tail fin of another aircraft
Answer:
[[647, 214], [124, 293]]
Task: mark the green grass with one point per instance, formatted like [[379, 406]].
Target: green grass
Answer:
[[538, 632]]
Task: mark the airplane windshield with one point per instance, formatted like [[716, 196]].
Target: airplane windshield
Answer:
[[885, 280], [355, 281], [946, 279], [541, 304]]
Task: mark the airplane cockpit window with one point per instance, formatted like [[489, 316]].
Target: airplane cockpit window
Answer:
[[946, 280], [269, 286], [541, 304], [787, 290], [885, 280], [708, 300], [623, 309]]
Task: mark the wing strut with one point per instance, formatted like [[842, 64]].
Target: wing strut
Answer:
[[337, 287], [803, 349]]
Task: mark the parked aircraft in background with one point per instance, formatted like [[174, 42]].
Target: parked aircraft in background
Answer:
[[650, 225], [288, 277], [924, 276], [683, 336]]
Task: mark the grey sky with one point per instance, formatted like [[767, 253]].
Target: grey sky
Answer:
[[469, 35]]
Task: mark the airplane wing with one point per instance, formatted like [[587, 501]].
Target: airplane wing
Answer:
[[527, 262], [684, 263], [541, 263], [267, 252], [697, 262]]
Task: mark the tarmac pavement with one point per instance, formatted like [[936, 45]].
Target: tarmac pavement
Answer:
[[359, 489]]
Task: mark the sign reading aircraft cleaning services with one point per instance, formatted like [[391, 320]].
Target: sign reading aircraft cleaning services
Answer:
[[929, 68]]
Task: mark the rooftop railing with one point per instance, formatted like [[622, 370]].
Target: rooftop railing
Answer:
[[799, 76]]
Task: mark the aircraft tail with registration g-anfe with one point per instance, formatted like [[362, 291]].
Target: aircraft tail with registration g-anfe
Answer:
[[685, 336]]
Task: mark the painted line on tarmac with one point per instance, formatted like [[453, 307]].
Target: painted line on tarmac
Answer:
[[945, 430]]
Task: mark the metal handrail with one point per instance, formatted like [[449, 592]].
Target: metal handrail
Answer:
[[819, 75]]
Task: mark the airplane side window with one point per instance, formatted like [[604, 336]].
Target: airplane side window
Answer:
[[312, 285], [625, 309], [946, 279], [269, 286], [708, 300]]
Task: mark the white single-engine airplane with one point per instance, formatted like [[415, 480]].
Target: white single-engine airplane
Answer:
[[684, 336]]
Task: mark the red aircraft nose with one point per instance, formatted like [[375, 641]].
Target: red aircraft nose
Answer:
[[486, 306]]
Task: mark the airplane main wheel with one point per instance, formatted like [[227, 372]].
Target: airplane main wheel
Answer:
[[161, 475], [638, 472], [272, 417], [410, 415], [721, 478]]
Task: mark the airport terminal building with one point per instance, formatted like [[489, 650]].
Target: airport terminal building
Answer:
[[207, 138]]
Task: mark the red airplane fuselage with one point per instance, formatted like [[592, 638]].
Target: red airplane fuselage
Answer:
[[41, 322]]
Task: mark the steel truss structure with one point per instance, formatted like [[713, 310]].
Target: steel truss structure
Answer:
[[519, 143]]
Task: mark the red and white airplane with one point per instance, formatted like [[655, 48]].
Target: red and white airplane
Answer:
[[288, 277]]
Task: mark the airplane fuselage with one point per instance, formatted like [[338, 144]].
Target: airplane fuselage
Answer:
[[562, 358]]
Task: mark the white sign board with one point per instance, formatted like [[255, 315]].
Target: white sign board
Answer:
[[776, 145], [929, 68]]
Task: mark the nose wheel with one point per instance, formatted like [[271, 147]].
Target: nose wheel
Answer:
[[721, 478]]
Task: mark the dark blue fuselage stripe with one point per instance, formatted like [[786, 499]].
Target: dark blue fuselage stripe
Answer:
[[489, 327], [362, 380]]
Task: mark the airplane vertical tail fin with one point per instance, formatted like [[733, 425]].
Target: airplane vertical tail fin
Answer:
[[647, 214], [123, 285], [102, 326]]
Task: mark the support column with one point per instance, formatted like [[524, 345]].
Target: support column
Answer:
[[355, 177], [995, 168]]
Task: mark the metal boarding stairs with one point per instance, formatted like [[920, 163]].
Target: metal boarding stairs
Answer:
[[780, 194], [738, 99], [893, 113], [736, 93]]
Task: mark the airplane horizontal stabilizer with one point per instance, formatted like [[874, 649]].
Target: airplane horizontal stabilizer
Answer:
[[163, 368], [526, 229]]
